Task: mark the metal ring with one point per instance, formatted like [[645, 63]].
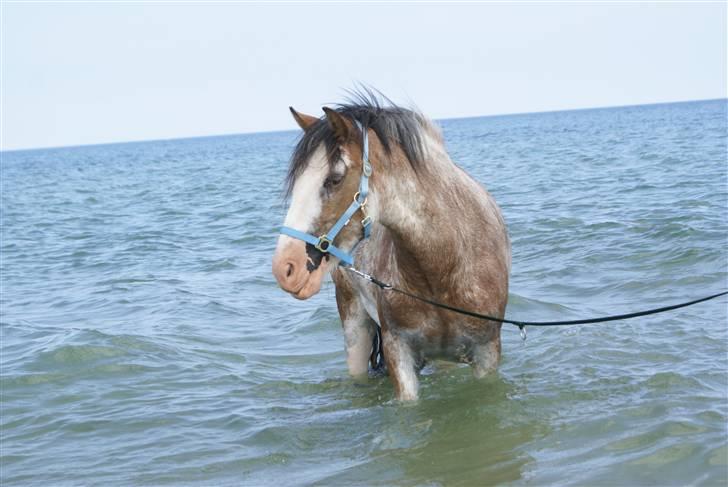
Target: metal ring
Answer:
[[356, 198], [323, 244]]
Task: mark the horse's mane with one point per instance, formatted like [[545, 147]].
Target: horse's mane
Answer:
[[392, 124]]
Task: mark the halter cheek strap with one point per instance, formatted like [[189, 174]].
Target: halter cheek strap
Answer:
[[325, 242]]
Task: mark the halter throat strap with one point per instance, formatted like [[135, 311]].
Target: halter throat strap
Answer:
[[325, 242]]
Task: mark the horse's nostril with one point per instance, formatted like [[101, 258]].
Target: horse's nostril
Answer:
[[289, 270]]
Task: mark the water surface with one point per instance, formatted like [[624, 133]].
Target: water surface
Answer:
[[144, 340]]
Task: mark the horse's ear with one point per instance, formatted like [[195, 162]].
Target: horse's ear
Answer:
[[304, 121], [339, 124]]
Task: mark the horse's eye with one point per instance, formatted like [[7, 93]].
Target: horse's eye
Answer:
[[333, 180]]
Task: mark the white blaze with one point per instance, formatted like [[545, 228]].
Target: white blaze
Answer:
[[306, 197]]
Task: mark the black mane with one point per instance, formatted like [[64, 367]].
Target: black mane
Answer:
[[391, 123]]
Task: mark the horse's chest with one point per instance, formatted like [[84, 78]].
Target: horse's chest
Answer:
[[418, 326], [426, 335], [447, 341]]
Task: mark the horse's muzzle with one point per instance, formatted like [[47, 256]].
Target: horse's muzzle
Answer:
[[292, 269]]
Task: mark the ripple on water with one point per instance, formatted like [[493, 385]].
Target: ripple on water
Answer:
[[144, 341]]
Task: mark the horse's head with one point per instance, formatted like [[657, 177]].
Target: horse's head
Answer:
[[324, 179]]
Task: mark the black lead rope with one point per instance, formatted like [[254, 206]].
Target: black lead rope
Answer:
[[522, 324]]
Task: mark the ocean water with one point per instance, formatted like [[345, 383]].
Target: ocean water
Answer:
[[145, 342]]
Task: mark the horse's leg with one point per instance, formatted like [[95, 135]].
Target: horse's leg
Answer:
[[401, 366], [359, 328], [486, 357]]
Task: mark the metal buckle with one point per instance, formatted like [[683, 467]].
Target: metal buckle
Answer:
[[356, 198], [323, 244], [522, 328], [367, 220], [367, 170]]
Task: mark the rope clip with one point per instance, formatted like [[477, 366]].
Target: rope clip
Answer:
[[522, 328]]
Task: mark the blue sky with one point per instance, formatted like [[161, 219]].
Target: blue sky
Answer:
[[82, 73]]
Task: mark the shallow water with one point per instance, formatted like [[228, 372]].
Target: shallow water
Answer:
[[144, 340]]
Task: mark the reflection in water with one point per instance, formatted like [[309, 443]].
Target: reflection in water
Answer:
[[144, 341], [462, 431]]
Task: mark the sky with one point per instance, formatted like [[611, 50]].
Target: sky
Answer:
[[87, 73]]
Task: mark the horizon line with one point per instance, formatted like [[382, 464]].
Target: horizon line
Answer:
[[189, 137]]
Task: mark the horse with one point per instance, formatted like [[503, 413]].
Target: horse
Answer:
[[432, 230]]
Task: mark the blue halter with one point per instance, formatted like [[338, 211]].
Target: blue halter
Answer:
[[324, 242]]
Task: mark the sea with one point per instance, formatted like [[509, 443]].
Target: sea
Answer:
[[144, 340]]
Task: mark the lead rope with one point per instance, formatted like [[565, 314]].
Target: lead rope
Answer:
[[522, 324]]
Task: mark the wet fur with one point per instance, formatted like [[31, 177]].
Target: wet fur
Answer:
[[437, 233]]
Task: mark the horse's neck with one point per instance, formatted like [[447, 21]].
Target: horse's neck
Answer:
[[425, 214]]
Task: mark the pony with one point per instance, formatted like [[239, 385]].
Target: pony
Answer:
[[432, 231]]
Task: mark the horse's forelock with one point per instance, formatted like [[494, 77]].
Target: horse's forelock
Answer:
[[319, 134], [393, 125]]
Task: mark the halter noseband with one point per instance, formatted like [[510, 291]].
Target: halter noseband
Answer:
[[325, 242]]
